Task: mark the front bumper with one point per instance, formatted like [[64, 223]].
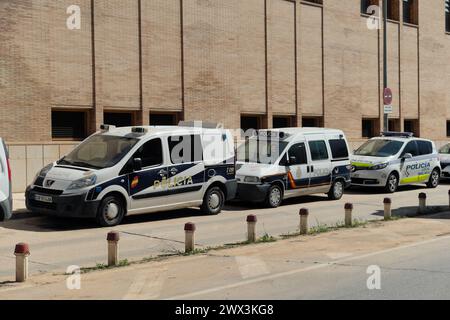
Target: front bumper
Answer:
[[231, 187], [73, 206], [369, 178], [252, 192]]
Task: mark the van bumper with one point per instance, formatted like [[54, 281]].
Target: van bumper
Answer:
[[252, 192], [369, 178], [5, 210], [70, 206], [231, 187]]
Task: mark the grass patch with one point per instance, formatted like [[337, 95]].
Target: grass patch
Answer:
[[103, 266]]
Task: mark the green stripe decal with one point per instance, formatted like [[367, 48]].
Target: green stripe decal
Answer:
[[362, 165], [420, 178]]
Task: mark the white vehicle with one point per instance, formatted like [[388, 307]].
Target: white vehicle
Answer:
[[396, 159], [5, 184], [127, 171], [444, 156], [292, 162]]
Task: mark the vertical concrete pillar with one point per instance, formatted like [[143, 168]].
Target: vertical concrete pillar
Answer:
[[304, 213], [189, 229], [22, 252], [251, 228], [113, 248], [387, 208], [422, 203], [348, 215]]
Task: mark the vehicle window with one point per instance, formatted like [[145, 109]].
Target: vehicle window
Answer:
[[379, 148], [425, 147], [445, 149], [339, 149], [299, 152], [260, 150], [185, 149], [318, 150], [150, 153], [411, 147]]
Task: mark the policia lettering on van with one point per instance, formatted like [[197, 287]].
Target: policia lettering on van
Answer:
[[126, 171], [302, 161]]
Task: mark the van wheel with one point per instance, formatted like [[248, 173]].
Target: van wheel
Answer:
[[274, 197], [434, 179], [336, 191], [213, 201], [392, 183], [111, 212]]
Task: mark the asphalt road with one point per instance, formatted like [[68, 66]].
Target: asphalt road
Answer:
[[58, 243]]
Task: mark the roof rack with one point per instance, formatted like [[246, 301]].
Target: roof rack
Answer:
[[397, 134], [199, 124]]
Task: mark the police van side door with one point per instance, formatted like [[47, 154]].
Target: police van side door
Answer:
[[148, 186], [296, 163], [320, 166], [409, 172]]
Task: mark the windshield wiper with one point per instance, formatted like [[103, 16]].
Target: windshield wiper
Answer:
[[85, 164]]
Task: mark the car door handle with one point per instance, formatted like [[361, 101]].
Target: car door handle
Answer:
[[173, 171], [162, 173], [312, 168]]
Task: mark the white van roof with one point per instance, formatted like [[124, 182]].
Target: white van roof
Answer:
[[157, 130], [292, 132]]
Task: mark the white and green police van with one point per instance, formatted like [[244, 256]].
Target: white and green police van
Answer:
[[396, 159], [134, 170]]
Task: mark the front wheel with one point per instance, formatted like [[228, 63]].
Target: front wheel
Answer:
[[434, 179], [274, 197], [111, 212], [213, 201], [336, 191], [392, 183]]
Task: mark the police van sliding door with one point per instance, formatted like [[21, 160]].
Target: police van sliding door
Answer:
[[186, 169], [320, 166]]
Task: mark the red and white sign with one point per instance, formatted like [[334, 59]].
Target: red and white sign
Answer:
[[387, 97]]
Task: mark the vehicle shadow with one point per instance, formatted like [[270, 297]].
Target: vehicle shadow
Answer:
[[242, 205], [356, 190], [432, 212]]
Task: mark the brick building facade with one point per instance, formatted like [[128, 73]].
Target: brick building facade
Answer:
[[246, 63]]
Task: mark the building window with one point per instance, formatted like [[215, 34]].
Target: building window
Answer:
[[448, 128], [411, 11], [164, 119], [369, 128], [283, 122], [366, 4], [447, 15], [314, 1], [118, 119], [412, 126], [393, 10], [69, 125], [394, 125], [249, 123], [312, 122]]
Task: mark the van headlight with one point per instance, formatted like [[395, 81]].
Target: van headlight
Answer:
[[252, 179], [380, 166], [83, 183]]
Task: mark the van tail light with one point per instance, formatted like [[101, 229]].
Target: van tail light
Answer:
[[9, 170]]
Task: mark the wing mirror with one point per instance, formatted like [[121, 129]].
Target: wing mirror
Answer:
[[137, 164], [407, 156]]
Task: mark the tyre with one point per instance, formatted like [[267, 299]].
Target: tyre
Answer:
[[337, 190], [110, 212], [434, 179], [392, 183], [274, 197], [213, 201]]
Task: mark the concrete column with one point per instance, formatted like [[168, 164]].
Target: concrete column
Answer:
[[348, 215], [304, 213], [422, 203], [113, 248], [22, 252], [189, 229], [251, 228], [387, 208]]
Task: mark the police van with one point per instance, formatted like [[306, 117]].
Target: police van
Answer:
[[134, 170], [396, 159], [279, 164], [5, 183]]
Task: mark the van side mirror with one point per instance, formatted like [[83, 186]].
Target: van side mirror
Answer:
[[137, 164], [407, 156]]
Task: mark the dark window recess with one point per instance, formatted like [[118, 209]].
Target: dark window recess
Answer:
[[410, 12], [150, 153], [318, 150], [282, 122], [299, 152], [411, 126], [365, 5], [368, 128], [314, 1], [447, 15], [448, 128], [118, 119], [412, 148], [250, 122], [163, 119], [68, 125], [339, 149], [425, 147], [312, 122], [394, 125], [393, 10], [185, 149]]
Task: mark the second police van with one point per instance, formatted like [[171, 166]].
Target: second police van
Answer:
[[133, 170], [285, 163], [396, 159]]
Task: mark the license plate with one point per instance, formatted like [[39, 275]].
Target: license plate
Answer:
[[41, 198], [355, 175]]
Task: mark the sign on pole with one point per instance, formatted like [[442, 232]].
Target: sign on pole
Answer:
[[387, 99]]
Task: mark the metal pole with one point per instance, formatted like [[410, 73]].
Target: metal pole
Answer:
[[385, 53]]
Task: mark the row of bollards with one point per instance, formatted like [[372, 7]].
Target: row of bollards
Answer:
[[22, 250]]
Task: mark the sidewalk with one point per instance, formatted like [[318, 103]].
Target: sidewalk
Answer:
[[19, 202], [234, 273]]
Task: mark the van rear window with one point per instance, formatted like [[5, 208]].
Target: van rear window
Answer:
[[339, 149]]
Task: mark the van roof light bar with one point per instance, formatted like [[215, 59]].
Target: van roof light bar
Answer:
[[199, 124], [139, 130], [397, 134], [106, 127]]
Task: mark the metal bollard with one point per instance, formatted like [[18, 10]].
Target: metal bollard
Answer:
[[348, 214], [387, 209], [189, 242], [251, 228], [422, 203], [304, 213], [22, 252], [113, 238]]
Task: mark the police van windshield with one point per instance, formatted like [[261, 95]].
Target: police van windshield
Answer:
[[445, 149], [379, 148], [99, 152], [261, 150]]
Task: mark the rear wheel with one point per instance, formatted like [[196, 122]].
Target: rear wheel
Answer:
[[434, 179], [392, 183], [111, 212], [213, 201], [336, 191], [274, 197]]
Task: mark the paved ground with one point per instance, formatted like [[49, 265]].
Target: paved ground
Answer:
[[412, 256], [59, 243]]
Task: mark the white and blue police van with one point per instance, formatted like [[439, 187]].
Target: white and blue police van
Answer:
[[396, 159], [279, 164], [134, 170], [5, 183], [444, 156]]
